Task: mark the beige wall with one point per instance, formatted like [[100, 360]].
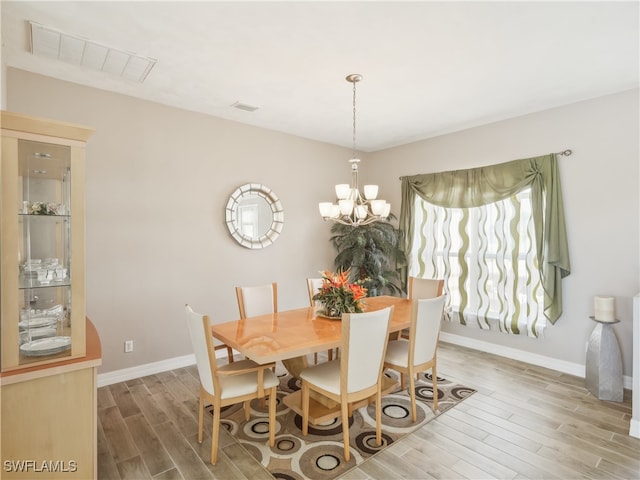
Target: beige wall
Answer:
[[158, 179], [600, 187]]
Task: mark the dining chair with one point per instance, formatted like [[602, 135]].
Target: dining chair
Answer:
[[422, 288], [313, 286], [237, 382], [356, 374], [419, 352], [425, 287], [257, 300]]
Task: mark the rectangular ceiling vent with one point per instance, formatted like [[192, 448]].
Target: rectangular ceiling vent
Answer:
[[52, 43], [245, 107]]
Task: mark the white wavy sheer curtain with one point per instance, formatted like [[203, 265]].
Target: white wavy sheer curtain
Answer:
[[487, 257]]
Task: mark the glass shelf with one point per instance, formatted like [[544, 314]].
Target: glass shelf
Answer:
[[40, 215], [31, 283]]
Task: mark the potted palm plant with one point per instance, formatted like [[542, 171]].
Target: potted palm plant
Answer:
[[372, 253]]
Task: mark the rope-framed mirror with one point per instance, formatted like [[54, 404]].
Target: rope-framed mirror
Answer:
[[254, 215]]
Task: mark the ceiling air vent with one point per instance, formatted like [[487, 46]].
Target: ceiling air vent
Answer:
[[52, 43], [245, 107]]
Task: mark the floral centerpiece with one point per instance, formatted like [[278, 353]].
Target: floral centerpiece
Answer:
[[337, 295]]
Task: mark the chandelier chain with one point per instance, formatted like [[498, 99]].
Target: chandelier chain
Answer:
[[354, 121]]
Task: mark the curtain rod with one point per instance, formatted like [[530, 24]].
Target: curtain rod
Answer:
[[565, 153]]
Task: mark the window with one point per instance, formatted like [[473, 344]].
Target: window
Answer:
[[519, 228], [487, 256]]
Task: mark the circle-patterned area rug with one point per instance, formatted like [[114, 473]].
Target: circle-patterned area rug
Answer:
[[320, 454]]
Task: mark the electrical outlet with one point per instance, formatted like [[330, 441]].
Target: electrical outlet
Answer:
[[128, 346]]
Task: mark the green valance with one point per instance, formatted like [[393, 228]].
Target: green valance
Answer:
[[479, 186]]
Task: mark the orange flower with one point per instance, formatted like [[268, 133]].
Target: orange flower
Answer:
[[358, 291], [342, 278], [339, 296]]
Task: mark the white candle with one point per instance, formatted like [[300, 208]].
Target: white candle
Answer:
[[604, 309]]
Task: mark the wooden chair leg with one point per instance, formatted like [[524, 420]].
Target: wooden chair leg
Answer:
[[215, 432], [247, 409], [412, 394], [315, 358], [434, 376], [200, 417], [330, 354], [305, 408], [379, 416], [230, 354], [272, 416], [345, 430]]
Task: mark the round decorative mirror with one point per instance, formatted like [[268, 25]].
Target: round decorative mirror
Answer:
[[254, 215]]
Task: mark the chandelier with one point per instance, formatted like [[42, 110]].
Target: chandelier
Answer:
[[352, 207]]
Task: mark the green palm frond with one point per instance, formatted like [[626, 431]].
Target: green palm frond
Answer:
[[374, 254]]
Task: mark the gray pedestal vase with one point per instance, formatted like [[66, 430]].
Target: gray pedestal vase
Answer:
[[604, 363]]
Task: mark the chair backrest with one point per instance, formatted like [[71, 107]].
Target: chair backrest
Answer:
[[364, 344], [424, 288], [259, 300], [426, 318], [313, 286], [202, 342]]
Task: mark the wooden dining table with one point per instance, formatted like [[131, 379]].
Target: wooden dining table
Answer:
[[289, 336]]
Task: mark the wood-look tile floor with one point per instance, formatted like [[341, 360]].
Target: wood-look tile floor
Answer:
[[524, 422]]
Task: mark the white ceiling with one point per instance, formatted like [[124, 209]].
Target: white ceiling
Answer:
[[429, 67]]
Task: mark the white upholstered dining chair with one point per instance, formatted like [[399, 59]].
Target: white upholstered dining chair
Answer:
[[236, 382], [313, 286], [356, 374], [419, 352], [257, 300], [422, 288]]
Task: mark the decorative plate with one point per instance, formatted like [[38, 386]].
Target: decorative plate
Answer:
[[46, 346], [37, 322]]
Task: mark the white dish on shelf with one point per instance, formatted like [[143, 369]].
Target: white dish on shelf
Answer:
[[46, 346], [44, 332], [38, 312], [36, 322]]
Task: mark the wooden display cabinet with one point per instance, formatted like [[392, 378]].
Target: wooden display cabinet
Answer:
[[50, 351]]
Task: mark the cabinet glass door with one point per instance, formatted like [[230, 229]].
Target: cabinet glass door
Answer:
[[44, 250]]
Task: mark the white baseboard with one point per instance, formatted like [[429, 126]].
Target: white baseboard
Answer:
[[138, 371], [125, 374], [570, 368]]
